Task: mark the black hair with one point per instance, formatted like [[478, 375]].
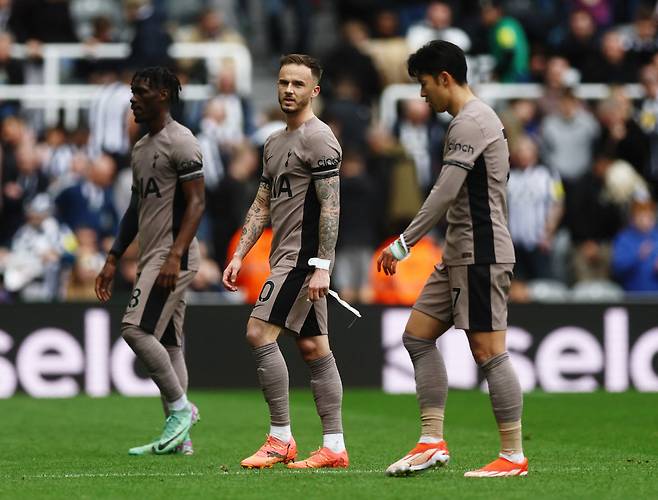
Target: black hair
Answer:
[[437, 56], [161, 78]]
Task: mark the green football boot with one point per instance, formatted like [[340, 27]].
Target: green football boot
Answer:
[[145, 449], [176, 427]]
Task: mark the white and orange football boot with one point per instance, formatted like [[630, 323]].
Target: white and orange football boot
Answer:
[[272, 452], [422, 457], [322, 457], [501, 467]]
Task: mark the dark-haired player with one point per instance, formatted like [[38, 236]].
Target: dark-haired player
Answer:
[[165, 209], [299, 192], [469, 288]]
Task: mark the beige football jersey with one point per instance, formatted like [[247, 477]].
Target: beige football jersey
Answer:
[[291, 161], [160, 164], [477, 218]]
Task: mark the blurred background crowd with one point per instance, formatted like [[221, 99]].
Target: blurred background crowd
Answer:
[[584, 166]]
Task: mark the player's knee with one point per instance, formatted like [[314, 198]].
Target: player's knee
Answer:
[[483, 353], [255, 335], [309, 349], [130, 333]]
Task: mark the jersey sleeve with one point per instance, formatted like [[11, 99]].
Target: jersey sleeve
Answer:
[[324, 155], [464, 144], [187, 159]]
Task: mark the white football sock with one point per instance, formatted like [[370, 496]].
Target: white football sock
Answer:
[[429, 439], [281, 432], [334, 442], [178, 405], [517, 458]]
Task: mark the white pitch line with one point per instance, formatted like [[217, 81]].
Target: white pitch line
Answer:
[[217, 472]]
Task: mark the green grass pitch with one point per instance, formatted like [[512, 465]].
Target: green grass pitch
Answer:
[[580, 446]]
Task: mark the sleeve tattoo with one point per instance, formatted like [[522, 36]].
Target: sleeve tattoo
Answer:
[[328, 192], [257, 218]]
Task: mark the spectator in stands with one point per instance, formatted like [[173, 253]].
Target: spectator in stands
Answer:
[[210, 27], [600, 10], [349, 58], [593, 220], [5, 13], [22, 181], [507, 43], [56, 154], [641, 38], [647, 119], [276, 14], [520, 119], [611, 65], [580, 44], [92, 69], [558, 77], [568, 135], [388, 48], [86, 266], [112, 126], [357, 236], [635, 250], [620, 133], [437, 25], [422, 137], [11, 73], [229, 203], [394, 176], [239, 114], [536, 204], [45, 21], [347, 112], [32, 269], [89, 203], [151, 41]]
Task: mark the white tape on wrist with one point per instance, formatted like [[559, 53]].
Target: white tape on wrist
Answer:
[[319, 263], [399, 249]]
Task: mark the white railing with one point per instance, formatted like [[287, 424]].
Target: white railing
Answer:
[[491, 92], [53, 95]]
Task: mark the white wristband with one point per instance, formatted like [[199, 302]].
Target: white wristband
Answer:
[[319, 263], [399, 249]]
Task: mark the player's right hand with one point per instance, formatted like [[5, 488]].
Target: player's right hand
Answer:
[[104, 281], [231, 274]]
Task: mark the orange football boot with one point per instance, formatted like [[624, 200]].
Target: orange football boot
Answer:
[[422, 457], [322, 457], [272, 452], [501, 467]]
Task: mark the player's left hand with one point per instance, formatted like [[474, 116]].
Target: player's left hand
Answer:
[[318, 287], [387, 262], [169, 273]]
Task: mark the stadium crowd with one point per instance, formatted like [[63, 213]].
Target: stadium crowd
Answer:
[[584, 172]]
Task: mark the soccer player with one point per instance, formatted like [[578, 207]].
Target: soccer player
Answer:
[[299, 193], [165, 209], [469, 288]]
